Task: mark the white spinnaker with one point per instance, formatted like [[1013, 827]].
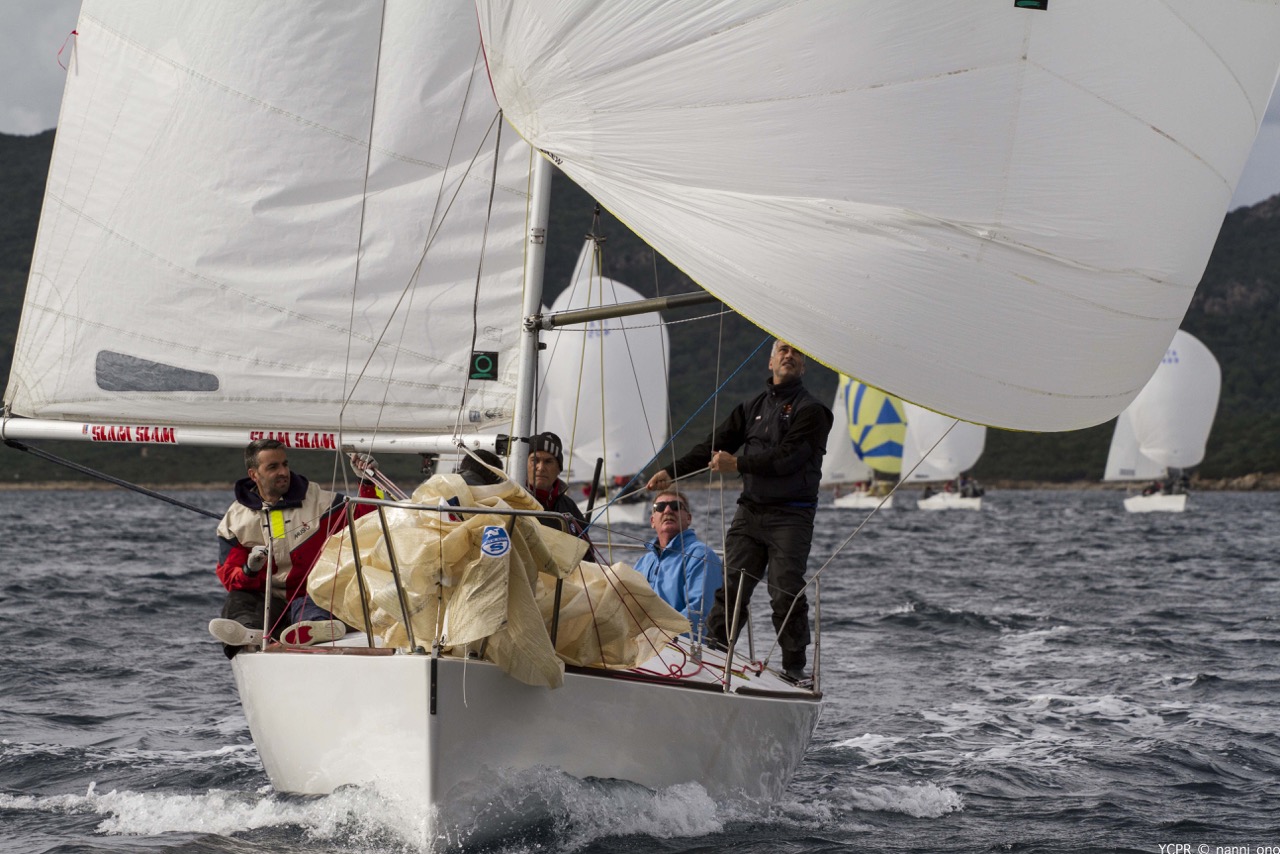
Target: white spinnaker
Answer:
[[840, 464], [207, 205], [604, 383], [997, 212], [959, 448], [1173, 415]]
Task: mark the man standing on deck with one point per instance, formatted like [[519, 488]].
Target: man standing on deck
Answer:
[[298, 516], [782, 434]]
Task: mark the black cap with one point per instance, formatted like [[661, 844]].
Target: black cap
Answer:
[[550, 443]]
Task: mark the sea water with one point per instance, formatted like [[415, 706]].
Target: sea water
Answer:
[[1047, 674]]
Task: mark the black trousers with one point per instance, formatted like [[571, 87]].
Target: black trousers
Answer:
[[770, 542]]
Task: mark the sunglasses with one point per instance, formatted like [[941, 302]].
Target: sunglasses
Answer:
[[659, 506]]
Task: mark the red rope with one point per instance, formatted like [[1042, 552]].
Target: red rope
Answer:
[[64, 47]]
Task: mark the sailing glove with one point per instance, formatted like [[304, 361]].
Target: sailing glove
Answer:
[[364, 464], [257, 560]]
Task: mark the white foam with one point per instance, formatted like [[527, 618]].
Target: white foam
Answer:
[[680, 811], [579, 812], [349, 815], [869, 743], [924, 800]]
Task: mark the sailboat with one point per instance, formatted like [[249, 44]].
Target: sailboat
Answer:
[[604, 391], [865, 440], [281, 174], [331, 239], [1164, 431], [939, 449]]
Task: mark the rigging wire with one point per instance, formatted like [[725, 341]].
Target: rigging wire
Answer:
[[475, 298], [355, 273], [670, 443], [818, 573], [103, 476], [438, 217]]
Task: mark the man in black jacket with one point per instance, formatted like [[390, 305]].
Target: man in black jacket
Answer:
[[782, 434]]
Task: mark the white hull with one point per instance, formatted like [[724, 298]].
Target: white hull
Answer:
[[1158, 503], [862, 501], [618, 513], [325, 719], [949, 501]]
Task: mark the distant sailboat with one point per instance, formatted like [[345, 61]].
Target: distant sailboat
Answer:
[[866, 440], [935, 451], [1164, 431], [616, 367]]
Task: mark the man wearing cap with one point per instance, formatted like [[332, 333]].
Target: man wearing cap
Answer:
[[546, 461], [776, 441], [680, 568]]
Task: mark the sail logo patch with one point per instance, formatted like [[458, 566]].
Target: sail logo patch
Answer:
[[484, 365], [494, 541]]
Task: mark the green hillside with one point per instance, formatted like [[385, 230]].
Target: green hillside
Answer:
[[1234, 313]]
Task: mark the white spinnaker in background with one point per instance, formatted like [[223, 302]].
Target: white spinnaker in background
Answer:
[[1168, 424], [935, 450], [999, 213], [232, 236]]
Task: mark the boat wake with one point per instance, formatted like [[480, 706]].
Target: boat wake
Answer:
[[537, 810]]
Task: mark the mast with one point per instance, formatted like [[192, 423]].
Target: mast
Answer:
[[534, 263]]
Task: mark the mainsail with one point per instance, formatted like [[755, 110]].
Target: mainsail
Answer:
[[354, 265], [604, 383], [996, 211], [1167, 425]]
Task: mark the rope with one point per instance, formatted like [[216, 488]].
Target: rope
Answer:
[[103, 476], [853, 534], [670, 443]]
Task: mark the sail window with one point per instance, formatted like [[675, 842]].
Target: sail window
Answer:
[[1042, 5], [122, 372]]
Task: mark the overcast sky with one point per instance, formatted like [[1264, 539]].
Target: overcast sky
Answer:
[[33, 31]]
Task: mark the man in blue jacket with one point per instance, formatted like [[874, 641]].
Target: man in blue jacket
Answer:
[[680, 568]]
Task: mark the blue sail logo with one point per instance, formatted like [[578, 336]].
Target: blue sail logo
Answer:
[[494, 541]]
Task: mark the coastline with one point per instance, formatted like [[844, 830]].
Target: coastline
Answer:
[[1254, 482]]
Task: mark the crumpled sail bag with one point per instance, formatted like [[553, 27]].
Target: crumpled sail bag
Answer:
[[487, 582]]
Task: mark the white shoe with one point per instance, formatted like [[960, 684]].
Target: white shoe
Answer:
[[311, 632], [233, 633]]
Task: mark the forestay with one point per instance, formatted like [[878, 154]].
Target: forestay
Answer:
[[1000, 213], [273, 218]]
